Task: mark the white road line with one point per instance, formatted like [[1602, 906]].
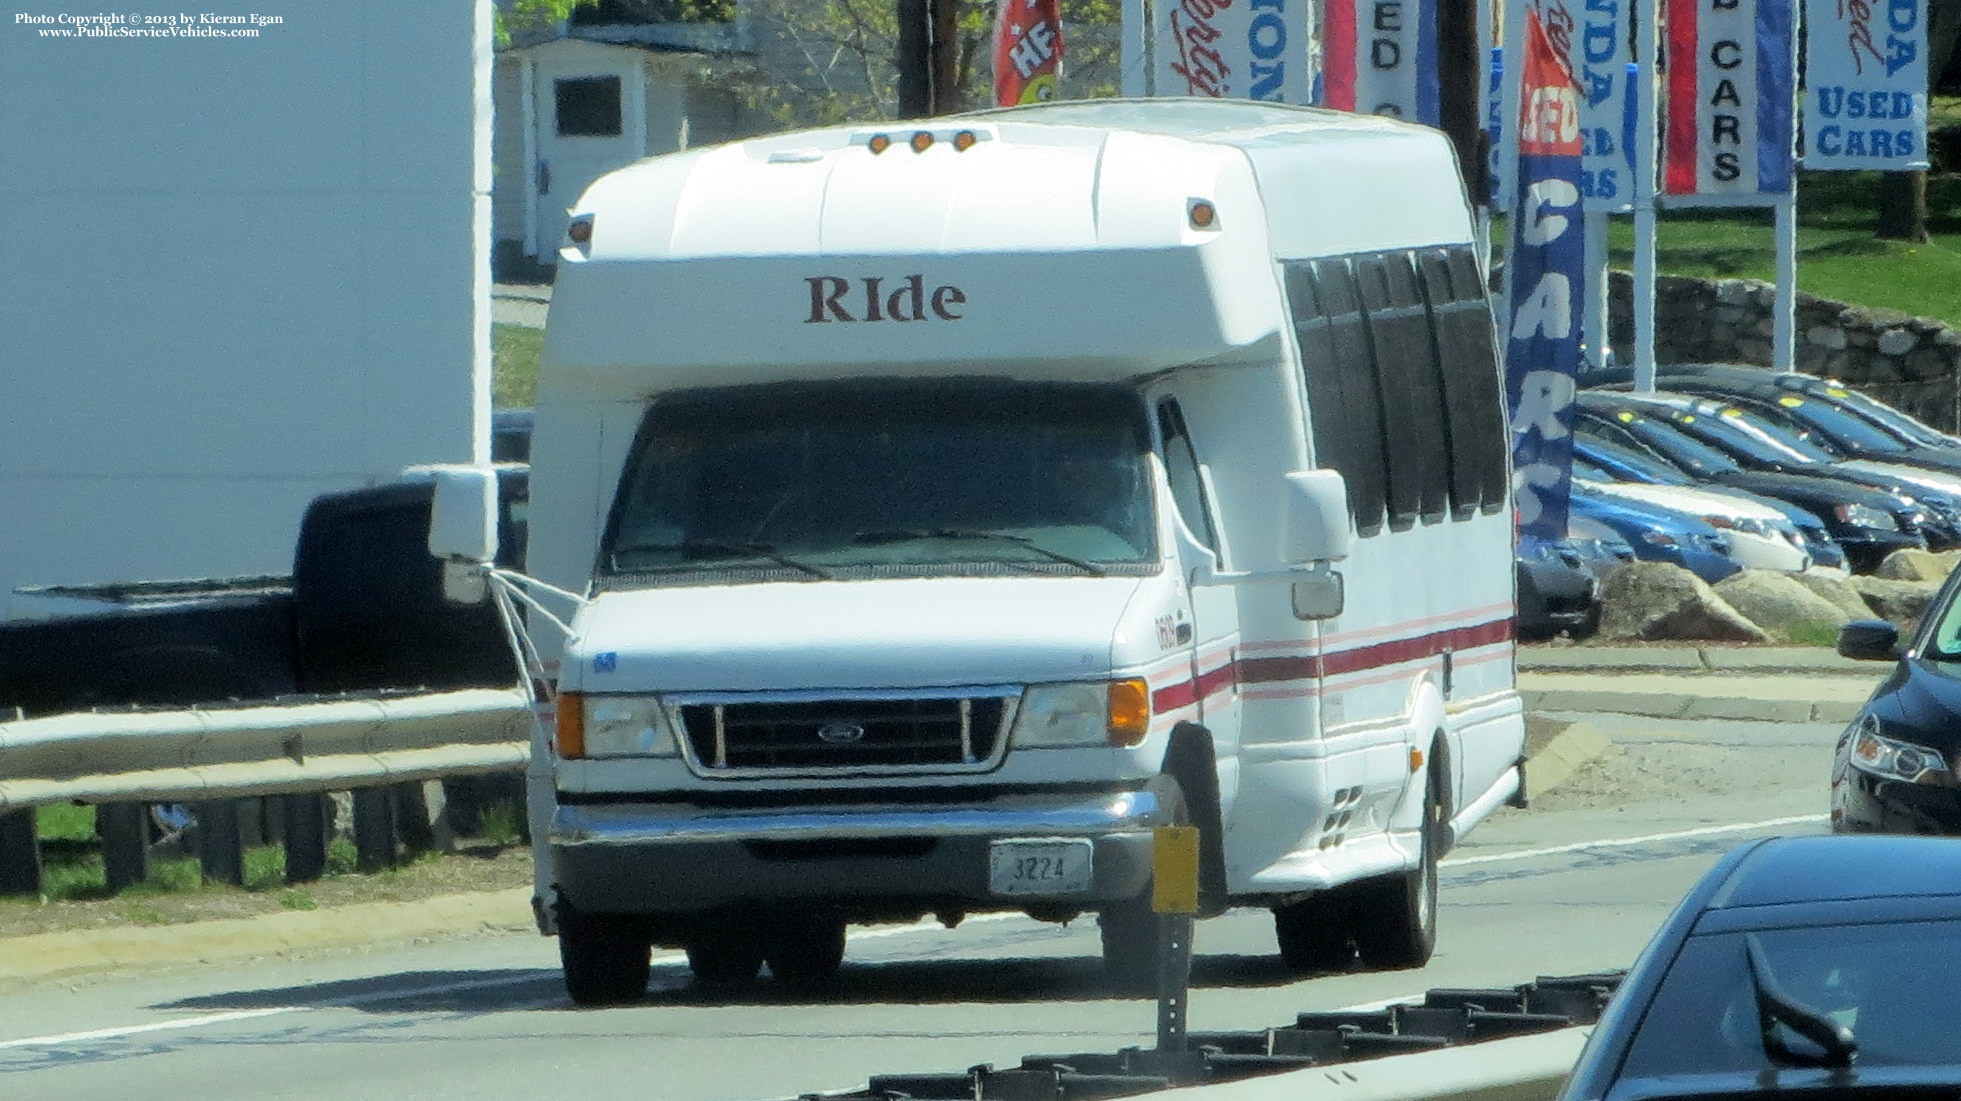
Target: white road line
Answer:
[[1629, 842], [207, 1019]]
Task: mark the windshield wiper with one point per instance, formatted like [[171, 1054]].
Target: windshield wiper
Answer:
[[901, 535], [1775, 1007], [692, 547]]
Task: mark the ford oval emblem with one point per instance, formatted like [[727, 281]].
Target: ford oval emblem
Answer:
[[840, 733]]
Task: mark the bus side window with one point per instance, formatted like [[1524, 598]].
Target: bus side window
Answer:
[[1467, 377], [1341, 387], [1409, 416], [1181, 468]]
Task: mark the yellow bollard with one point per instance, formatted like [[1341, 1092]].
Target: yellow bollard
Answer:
[[1174, 896], [1174, 880]]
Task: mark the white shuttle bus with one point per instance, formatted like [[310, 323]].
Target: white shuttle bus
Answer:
[[953, 503]]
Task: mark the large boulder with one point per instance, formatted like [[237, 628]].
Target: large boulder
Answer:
[[1784, 606], [1917, 565], [1902, 602], [1656, 601], [1837, 588]]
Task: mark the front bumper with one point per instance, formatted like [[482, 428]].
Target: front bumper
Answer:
[[871, 860], [1862, 803]]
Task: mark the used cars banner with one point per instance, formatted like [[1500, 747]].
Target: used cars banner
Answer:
[[1865, 70]]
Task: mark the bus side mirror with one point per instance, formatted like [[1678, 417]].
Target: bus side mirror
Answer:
[[463, 528], [1315, 518]]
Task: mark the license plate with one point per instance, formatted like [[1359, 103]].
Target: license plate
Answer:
[[1057, 867]]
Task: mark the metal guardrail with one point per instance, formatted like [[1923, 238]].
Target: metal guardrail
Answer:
[[257, 748], [1503, 1044]]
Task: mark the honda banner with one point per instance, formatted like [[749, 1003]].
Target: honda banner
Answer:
[[1596, 38], [1865, 78], [1730, 69], [1379, 57], [1027, 51], [1547, 285]]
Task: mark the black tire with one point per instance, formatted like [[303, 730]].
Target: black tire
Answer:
[[606, 957], [1315, 933], [804, 947], [728, 953], [1396, 915]]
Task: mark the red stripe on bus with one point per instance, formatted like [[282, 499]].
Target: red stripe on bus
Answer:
[[1304, 667]]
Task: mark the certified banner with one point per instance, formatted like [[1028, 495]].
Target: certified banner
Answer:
[[1238, 49], [1027, 51], [1730, 94], [1596, 40], [1547, 283], [1379, 57], [1865, 78]]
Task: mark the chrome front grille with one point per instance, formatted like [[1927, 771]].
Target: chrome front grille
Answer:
[[881, 735]]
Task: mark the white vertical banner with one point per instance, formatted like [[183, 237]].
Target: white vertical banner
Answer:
[[1731, 70], [1865, 70], [1239, 49], [1379, 57]]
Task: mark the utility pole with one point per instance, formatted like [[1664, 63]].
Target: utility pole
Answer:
[[927, 58], [1461, 61]]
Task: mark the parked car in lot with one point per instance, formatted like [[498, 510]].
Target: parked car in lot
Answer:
[[1659, 534], [1558, 591], [1745, 381], [1868, 523], [1643, 467], [1759, 443], [1894, 768], [1761, 537], [1796, 968]]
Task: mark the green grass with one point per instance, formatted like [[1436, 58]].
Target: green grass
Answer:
[[1838, 256], [514, 365], [65, 822]]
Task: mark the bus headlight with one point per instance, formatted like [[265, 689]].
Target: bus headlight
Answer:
[[1084, 713]]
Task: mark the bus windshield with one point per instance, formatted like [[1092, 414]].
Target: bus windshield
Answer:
[[894, 479]]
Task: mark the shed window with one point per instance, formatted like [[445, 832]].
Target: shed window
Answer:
[[588, 106]]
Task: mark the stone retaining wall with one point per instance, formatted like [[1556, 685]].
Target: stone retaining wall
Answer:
[[1913, 363]]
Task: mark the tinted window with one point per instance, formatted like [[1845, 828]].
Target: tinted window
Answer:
[[588, 106], [1467, 365], [1181, 468], [1399, 342], [1341, 387]]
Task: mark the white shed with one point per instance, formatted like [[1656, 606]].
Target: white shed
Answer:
[[568, 110]]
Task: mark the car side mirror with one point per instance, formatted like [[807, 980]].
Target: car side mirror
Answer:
[[1315, 518], [463, 528], [1869, 640]]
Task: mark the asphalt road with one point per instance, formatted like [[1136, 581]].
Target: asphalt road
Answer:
[[1575, 884]]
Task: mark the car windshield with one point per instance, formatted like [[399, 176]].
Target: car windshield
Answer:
[[1842, 428], [1751, 437], [1646, 467], [1681, 449], [1886, 417], [905, 480], [1888, 983]]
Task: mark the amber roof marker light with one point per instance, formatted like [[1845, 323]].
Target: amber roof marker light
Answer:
[[879, 144], [964, 141], [1202, 214], [922, 141], [579, 230]]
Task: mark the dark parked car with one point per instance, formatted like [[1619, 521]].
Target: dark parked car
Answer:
[[1557, 591], [1797, 968], [1868, 523], [1741, 380], [1894, 768]]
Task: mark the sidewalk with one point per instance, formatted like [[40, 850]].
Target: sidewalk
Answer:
[[1772, 684]]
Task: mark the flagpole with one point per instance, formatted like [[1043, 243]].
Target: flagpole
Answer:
[[1784, 328], [1511, 100], [1486, 30], [1647, 48], [1594, 325]]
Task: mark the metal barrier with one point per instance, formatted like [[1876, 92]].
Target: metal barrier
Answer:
[[1504, 1044], [211, 755]]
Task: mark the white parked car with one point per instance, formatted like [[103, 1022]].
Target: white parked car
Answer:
[[1761, 537]]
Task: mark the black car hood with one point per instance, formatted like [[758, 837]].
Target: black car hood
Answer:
[[1816, 492], [1921, 703]]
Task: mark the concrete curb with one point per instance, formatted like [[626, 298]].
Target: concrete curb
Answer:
[[87, 951], [1684, 706], [1557, 761]]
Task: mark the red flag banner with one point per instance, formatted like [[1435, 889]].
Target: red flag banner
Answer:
[[1027, 51]]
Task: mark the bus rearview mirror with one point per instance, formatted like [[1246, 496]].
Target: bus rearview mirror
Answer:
[[1315, 517]]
